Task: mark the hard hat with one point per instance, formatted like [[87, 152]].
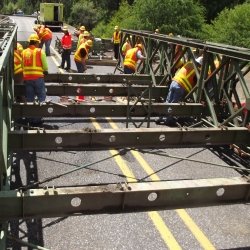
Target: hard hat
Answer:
[[89, 43], [34, 37], [139, 45], [82, 28], [19, 47], [157, 31], [65, 28], [116, 27], [170, 34], [199, 60], [86, 33]]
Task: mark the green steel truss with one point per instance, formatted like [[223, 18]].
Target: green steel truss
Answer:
[[211, 103]]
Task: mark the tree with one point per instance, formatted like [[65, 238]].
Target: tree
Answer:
[[83, 13], [232, 26], [184, 17], [214, 7]]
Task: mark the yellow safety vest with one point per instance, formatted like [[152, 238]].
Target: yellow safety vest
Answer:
[[117, 37], [185, 76], [130, 58], [17, 63], [32, 64], [77, 56]]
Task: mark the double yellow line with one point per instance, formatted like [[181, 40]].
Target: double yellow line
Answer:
[[156, 218]]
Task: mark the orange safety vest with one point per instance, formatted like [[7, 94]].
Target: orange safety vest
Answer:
[[32, 64], [77, 56], [117, 37], [45, 34], [185, 76], [131, 58], [17, 63]]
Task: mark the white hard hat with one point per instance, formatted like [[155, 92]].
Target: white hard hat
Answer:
[[199, 60]]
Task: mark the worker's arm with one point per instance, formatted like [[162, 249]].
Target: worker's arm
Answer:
[[44, 61], [140, 56]]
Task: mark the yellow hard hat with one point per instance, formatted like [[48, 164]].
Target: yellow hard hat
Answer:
[[65, 28], [157, 31], [89, 43], [116, 27], [86, 33], [139, 45], [171, 34], [34, 37], [82, 28], [19, 47]]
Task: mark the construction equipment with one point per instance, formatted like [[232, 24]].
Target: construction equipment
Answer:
[[51, 15]]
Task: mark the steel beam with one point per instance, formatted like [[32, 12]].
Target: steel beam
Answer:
[[105, 109], [98, 78], [122, 197], [94, 90], [90, 139]]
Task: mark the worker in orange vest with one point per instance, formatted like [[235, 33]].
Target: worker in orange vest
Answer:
[[116, 39], [18, 68], [35, 66], [131, 58], [182, 83], [80, 57], [45, 36], [66, 42]]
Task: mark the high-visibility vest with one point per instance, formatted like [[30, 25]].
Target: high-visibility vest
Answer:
[[185, 76], [32, 64], [77, 56], [17, 63], [117, 37], [131, 58], [45, 34], [125, 47], [66, 41]]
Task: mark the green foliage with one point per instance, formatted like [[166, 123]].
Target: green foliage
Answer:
[[231, 27], [177, 16], [83, 13], [213, 7], [9, 8]]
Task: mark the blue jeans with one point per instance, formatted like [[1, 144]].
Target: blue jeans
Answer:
[[47, 46], [35, 88], [128, 70], [81, 68], [176, 92]]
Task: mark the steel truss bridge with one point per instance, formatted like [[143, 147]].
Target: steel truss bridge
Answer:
[[211, 105]]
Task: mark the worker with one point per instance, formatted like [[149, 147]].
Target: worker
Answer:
[[80, 57], [18, 68], [157, 31], [35, 66], [116, 39], [45, 36], [66, 42], [131, 58], [126, 46], [80, 36], [85, 37], [182, 83]]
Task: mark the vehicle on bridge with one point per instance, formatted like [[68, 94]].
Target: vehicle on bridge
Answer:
[[51, 15]]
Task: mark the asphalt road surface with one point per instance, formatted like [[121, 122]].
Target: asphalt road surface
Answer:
[[217, 227]]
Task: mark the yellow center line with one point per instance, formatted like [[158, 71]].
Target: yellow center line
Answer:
[[189, 222], [166, 234]]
